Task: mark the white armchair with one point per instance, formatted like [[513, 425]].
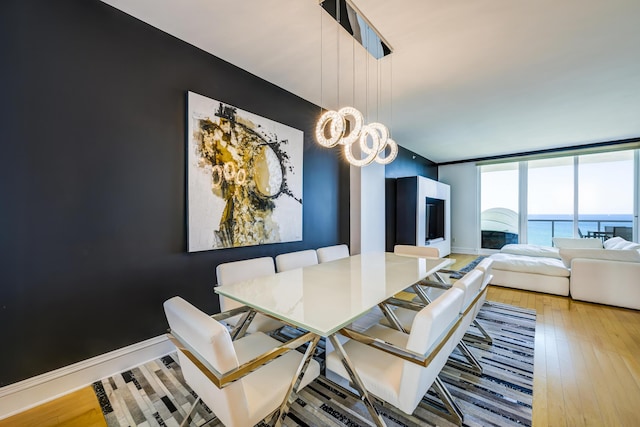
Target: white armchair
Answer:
[[485, 267], [404, 381], [238, 271], [331, 253], [419, 251], [470, 285], [293, 260], [241, 381]]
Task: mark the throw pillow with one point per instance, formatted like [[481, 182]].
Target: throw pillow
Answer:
[[569, 243], [626, 255], [620, 243]]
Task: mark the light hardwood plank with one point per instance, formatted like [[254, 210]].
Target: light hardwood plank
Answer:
[[586, 365], [77, 409], [602, 389]]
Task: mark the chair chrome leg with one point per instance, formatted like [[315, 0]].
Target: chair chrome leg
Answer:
[[440, 279], [391, 317], [241, 327], [485, 335], [187, 418], [422, 294], [453, 414], [357, 382], [466, 352], [280, 414]]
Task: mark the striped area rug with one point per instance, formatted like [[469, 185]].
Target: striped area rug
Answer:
[[155, 394]]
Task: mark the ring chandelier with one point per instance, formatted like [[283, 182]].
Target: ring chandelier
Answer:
[[372, 138]]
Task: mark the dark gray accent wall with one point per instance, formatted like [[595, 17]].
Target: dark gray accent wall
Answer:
[[406, 164], [92, 180]]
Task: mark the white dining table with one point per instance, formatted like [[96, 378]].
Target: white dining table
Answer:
[[325, 298]]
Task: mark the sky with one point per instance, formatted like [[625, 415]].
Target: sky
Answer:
[[605, 185]]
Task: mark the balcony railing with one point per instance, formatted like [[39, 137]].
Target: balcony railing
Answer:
[[542, 231]]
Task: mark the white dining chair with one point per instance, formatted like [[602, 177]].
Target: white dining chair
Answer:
[[419, 251], [299, 259], [485, 267], [248, 400], [331, 253], [422, 252], [399, 382], [237, 271], [470, 285]]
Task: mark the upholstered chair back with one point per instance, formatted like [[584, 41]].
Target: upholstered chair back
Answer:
[[428, 326], [292, 260], [470, 284], [419, 251], [485, 267], [211, 340], [331, 253], [238, 271]]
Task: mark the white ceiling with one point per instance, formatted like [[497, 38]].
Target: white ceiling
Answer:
[[467, 79]]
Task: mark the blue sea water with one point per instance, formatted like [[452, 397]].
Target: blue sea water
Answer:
[[542, 228]]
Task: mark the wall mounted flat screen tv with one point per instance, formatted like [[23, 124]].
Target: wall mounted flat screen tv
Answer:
[[434, 219]]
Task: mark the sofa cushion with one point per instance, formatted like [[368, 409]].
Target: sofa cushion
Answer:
[[627, 255], [528, 264], [620, 243], [570, 243], [531, 250]]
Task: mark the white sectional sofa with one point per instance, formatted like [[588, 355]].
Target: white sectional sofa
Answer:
[[583, 268], [532, 268]]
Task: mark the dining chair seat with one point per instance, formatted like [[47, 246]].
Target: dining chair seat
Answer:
[[293, 260], [237, 271]]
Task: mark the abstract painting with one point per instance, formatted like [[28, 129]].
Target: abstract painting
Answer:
[[244, 177]]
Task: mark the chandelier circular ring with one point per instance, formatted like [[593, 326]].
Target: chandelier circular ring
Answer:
[[357, 121], [367, 133], [335, 131], [375, 133]]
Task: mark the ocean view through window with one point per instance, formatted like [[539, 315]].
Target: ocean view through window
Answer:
[[589, 195], [542, 228]]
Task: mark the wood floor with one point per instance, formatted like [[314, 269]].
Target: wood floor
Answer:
[[77, 409], [587, 361], [586, 368]]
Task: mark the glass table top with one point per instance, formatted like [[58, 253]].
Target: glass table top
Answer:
[[324, 298]]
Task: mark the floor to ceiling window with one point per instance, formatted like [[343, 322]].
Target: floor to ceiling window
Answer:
[[584, 195], [499, 205], [549, 200], [605, 194]]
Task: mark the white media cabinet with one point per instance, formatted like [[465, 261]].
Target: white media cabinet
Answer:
[[412, 194]]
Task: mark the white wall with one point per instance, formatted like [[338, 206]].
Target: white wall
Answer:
[[367, 207], [465, 201]]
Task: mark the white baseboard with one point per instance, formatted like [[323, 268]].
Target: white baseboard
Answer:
[[466, 251], [35, 391]]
